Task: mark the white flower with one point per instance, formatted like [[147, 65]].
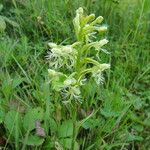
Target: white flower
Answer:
[[71, 89], [98, 77], [98, 44], [70, 81], [52, 73], [82, 81], [72, 93], [103, 67], [79, 11], [97, 72], [102, 42], [60, 56], [67, 85]]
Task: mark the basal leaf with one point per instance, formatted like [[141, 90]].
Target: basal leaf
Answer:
[[34, 140], [66, 129], [13, 123], [31, 117], [66, 143]]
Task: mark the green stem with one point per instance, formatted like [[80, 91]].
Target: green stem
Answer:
[[74, 116]]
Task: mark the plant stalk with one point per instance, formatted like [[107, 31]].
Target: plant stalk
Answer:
[[74, 117]]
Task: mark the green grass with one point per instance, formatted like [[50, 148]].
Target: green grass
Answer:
[[117, 113]]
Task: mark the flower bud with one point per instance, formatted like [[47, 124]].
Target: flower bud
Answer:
[[90, 18], [79, 11], [98, 20], [102, 29], [52, 45]]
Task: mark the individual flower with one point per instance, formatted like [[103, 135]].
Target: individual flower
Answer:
[[61, 56], [72, 93], [71, 89], [97, 72], [52, 73], [67, 85], [98, 44]]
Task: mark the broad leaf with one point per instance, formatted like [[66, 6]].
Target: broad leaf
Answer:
[[66, 129], [67, 142], [13, 123], [31, 117], [34, 140]]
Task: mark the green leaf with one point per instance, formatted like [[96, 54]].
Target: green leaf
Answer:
[[31, 117], [132, 137], [16, 82], [34, 140], [66, 129], [138, 127], [1, 7], [147, 121], [53, 125], [2, 110], [2, 24], [109, 113], [58, 83], [13, 23], [66, 143], [91, 123], [13, 123], [49, 143], [2, 114], [109, 125]]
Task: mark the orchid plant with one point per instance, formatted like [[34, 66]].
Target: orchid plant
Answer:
[[72, 66], [75, 58]]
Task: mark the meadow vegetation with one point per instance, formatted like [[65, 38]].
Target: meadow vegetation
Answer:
[[113, 115]]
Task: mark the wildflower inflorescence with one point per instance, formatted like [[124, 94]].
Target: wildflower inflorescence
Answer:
[[76, 57]]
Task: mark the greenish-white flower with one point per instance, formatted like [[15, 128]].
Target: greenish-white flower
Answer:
[[71, 89], [100, 43], [70, 81], [72, 93], [97, 45], [52, 73], [61, 56], [77, 58], [97, 72]]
